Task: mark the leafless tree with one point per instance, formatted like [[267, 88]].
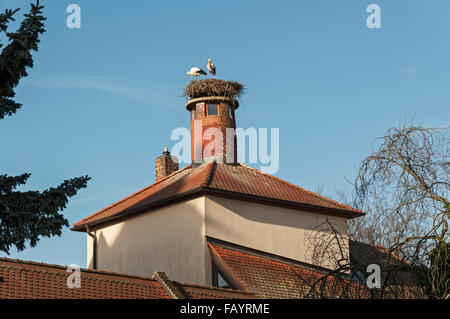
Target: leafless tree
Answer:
[[345, 262], [403, 185], [327, 246]]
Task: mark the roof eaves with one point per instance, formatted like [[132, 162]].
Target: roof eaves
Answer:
[[82, 222], [129, 212], [204, 190], [291, 204]]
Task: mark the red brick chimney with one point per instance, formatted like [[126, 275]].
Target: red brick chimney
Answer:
[[213, 112], [165, 165]]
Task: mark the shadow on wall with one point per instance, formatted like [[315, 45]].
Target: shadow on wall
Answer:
[[173, 238], [272, 229], [118, 231], [166, 240]]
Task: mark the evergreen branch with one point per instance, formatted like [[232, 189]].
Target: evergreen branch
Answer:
[[16, 56], [29, 216]]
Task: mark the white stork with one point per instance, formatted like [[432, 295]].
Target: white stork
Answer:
[[211, 67], [195, 72]]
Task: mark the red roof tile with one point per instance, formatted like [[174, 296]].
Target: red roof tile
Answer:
[[239, 180], [266, 277], [178, 290], [269, 278], [250, 181], [30, 280], [192, 291]]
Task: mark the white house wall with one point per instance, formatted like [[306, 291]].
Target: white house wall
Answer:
[[173, 238], [275, 230], [167, 239]]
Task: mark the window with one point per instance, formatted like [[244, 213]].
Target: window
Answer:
[[218, 280], [230, 112], [213, 109], [356, 275], [194, 114]]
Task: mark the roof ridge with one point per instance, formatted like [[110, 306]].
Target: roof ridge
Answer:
[[30, 262], [168, 285], [230, 269], [209, 177], [313, 273], [316, 273], [132, 195], [298, 187], [213, 287], [382, 249], [388, 251], [42, 271], [267, 255], [62, 267]]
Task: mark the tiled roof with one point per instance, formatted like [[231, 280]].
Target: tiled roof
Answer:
[[178, 290], [392, 266], [269, 278], [265, 277], [239, 181], [191, 291], [366, 254], [31, 280], [250, 181]]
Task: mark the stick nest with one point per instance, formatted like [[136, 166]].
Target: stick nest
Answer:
[[214, 87]]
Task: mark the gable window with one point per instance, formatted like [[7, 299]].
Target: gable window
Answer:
[[218, 280], [213, 109]]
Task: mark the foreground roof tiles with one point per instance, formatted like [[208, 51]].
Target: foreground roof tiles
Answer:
[[30, 280], [178, 290], [192, 291], [239, 181]]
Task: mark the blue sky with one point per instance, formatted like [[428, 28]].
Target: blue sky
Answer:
[[102, 100]]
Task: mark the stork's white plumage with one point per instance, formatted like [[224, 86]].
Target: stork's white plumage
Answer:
[[196, 72], [211, 67]]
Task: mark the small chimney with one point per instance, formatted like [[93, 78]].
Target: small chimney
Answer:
[[165, 165]]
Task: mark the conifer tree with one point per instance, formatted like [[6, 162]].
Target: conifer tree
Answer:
[[26, 216]]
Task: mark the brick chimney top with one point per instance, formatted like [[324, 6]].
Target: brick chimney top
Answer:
[[213, 128], [212, 104], [165, 165]]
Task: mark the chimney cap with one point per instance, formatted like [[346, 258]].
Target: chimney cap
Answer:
[[165, 164]]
